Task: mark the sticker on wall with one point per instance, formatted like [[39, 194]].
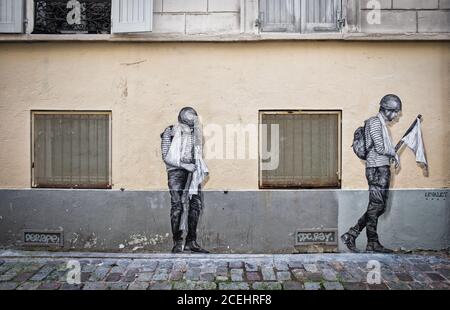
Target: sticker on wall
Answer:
[[43, 237], [316, 236]]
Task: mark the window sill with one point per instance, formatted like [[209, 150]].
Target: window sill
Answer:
[[227, 37]]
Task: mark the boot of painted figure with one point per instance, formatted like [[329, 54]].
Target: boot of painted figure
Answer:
[[191, 243], [350, 242], [194, 247], [376, 247], [178, 247]]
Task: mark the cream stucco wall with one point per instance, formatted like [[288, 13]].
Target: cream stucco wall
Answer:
[[145, 85]]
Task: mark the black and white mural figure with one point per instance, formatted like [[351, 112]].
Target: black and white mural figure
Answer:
[[182, 151], [374, 144]]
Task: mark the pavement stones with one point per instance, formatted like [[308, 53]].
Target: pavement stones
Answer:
[[405, 277], [237, 275], [176, 275], [234, 286], [28, 286], [138, 286], [354, 286], [217, 272], [293, 286], [281, 265], [266, 286], [381, 286], [71, 287], [251, 267], [114, 277], [312, 286], [184, 285], [22, 277], [253, 276], [144, 277], [8, 285], [99, 273], [333, 286], [398, 286], [310, 267], [90, 286], [161, 275], [118, 286], [268, 274], [49, 286], [204, 285], [42, 273], [283, 276], [160, 285], [329, 274], [193, 274], [236, 264], [208, 276]]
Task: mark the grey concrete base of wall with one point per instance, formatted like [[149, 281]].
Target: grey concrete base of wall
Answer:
[[414, 219], [232, 222]]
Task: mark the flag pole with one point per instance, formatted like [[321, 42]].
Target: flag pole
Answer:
[[400, 143]]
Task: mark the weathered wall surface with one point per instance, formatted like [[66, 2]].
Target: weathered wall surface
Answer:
[[407, 16], [233, 222], [196, 16], [414, 219], [145, 85], [224, 16]]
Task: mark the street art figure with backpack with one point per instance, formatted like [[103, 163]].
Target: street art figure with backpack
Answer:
[[372, 143], [182, 152]]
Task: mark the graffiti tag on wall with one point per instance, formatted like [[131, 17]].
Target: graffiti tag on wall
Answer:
[[54, 238], [325, 236]]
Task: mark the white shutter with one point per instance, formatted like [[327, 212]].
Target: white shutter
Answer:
[[11, 16], [131, 16], [320, 15], [279, 15]]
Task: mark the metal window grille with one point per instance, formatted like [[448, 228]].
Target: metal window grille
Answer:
[[309, 150], [71, 150]]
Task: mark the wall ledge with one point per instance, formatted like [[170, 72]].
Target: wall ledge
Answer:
[[226, 37]]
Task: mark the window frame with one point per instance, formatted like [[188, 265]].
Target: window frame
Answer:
[[300, 25], [337, 112], [68, 112]]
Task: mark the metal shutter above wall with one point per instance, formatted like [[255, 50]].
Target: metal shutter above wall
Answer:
[[71, 150], [309, 150]]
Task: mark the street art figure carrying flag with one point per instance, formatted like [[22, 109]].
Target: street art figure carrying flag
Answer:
[[373, 143], [182, 152]]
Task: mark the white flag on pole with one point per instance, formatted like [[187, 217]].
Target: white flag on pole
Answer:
[[414, 141]]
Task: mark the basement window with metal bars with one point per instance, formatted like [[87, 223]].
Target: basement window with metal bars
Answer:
[[71, 149], [300, 16], [309, 149]]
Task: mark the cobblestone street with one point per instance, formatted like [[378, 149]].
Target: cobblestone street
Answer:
[[99, 271]]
